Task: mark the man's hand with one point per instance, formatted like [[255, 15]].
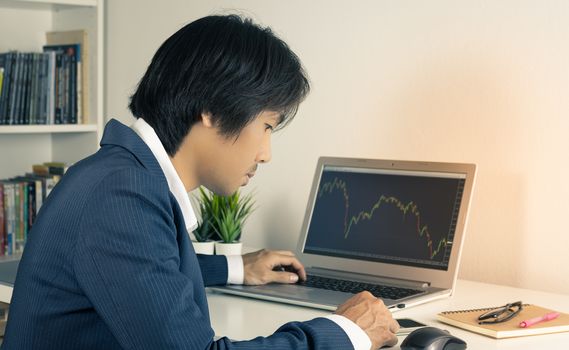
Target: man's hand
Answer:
[[260, 266], [372, 316]]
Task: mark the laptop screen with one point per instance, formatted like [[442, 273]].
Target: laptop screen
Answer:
[[383, 215]]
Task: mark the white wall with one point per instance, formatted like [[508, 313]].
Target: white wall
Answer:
[[466, 81]]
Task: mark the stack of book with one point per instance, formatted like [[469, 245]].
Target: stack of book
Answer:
[[21, 198], [48, 87]]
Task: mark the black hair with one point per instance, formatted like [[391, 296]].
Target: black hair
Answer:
[[224, 66]]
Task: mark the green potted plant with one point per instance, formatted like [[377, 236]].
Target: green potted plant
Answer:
[[205, 233], [225, 215]]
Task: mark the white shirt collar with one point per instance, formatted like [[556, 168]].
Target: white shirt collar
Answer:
[[148, 135]]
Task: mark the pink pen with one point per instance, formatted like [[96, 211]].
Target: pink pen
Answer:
[[547, 317]]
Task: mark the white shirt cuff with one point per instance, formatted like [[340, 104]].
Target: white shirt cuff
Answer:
[[235, 272], [358, 337]]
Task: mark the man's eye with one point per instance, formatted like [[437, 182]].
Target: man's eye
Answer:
[[268, 127]]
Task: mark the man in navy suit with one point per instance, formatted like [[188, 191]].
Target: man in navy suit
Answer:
[[109, 264]]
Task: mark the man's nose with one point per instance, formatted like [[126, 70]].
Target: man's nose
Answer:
[[264, 155]]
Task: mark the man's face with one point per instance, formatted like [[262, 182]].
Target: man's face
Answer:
[[226, 163]]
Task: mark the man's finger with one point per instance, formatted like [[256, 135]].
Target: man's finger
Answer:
[[394, 326], [284, 277], [392, 341], [340, 309], [284, 252], [296, 265]]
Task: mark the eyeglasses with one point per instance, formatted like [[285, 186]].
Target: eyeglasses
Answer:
[[501, 314]]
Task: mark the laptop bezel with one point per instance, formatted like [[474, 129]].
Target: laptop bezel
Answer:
[[444, 279]]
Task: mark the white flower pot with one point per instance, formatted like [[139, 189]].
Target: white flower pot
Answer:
[[204, 247], [228, 248]]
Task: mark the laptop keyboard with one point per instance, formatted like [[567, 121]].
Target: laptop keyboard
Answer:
[[379, 291]]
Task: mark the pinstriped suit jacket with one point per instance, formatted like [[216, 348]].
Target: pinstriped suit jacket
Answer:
[[109, 265]]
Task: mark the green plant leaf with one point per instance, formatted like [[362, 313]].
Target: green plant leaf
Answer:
[[205, 230], [223, 215]]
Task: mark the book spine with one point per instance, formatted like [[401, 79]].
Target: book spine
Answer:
[[6, 91], [40, 85], [19, 110], [31, 208], [25, 214], [56, 170], [40, 89], [38, 197], [14, 87], [32, 90], [25, 114], [80, 119], [16, 233], [32, 116], [34, 95], [9, 216], [2, 222], [16, 91], [51, 81], [48, 183], [22, 90], [73, 90], [11, 65], [43, 189], [59, 88], [20, 217], [66, 88], [3, 85], [33, 86], [22, 87]]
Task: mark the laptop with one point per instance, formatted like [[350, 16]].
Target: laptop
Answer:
[[392, 227]]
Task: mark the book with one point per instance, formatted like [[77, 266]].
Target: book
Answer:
[[49, 116], [38, 185], [16, 90], [21, 215], [5, 62], [6, 90], [33, 190], [48, 182], [61, 80], [2, 223], [9, 216], [468, 319], [56, 168], [50, 168], [81, 81], [40, 169], [1, 75]]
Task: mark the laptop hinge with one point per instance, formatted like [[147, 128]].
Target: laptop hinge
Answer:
[[360, 277]]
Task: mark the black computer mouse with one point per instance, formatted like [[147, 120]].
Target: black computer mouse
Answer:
[[432, 338]]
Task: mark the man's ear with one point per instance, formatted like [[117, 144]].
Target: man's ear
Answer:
[[207, 120]]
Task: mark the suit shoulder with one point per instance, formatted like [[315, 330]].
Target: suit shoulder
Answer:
[[111, 161]]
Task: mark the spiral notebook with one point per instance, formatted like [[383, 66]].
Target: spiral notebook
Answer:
[[468, 319]]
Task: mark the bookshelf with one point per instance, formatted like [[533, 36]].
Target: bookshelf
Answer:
[[23, 24], [47, 129]]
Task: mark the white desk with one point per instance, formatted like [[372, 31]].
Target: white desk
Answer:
[[241, 318]]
